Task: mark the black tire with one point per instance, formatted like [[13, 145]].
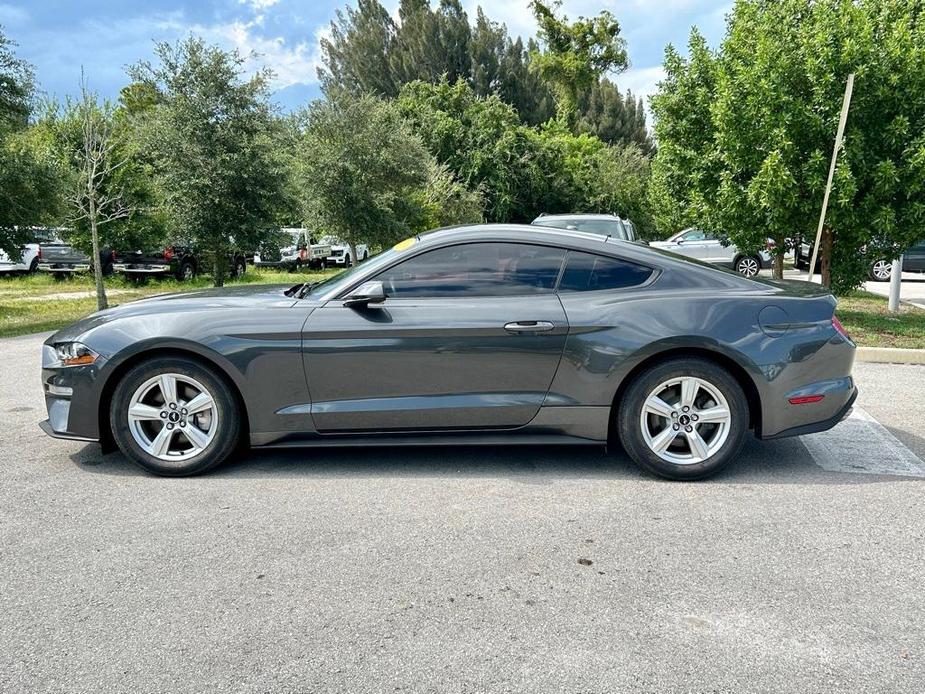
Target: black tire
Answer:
[[880, 271], [347, 262], [33, 266], [186, 272], [240, 267], [365, 255], [629, 412], [747, 265], [223, 444]]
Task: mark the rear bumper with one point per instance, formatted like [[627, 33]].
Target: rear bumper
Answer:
[[52, 267], [130, 269], [822, 425]]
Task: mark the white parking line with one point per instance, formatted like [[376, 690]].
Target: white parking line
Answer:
[[862, 444]]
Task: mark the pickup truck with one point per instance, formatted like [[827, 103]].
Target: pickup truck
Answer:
[[293, 248], [181, 261], [340, 252], [64, 260]]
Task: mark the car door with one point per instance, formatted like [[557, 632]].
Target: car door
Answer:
[[691, 243], [469, 336], [713, 251], [914, 258]]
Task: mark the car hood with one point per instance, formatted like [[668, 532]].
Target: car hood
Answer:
[[253, 297]]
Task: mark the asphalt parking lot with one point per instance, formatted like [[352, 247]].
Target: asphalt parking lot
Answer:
[[800, 568]]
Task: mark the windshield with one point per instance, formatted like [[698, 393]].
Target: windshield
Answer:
[[343, 279]]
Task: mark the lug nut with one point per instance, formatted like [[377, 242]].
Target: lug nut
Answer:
[[163, 415], [169, 425], [694, 417], [674, 415], [686, 408], [183, 411], [173, 406], [688, 429], [676, 426], [183, 423]]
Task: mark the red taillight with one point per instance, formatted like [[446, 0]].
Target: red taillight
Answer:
[[168, 253], [839, 328], [805, 399]]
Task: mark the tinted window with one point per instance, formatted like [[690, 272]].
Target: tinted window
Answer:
[[585, 272], [608, 227], [476, 269], [693, 235]]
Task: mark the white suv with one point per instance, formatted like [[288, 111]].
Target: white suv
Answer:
[[702, 245], [31, 254]]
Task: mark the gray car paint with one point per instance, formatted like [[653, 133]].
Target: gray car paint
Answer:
[[314, 372]]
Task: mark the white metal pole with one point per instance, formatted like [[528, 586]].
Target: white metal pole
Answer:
[[896, 276], [849, 87]]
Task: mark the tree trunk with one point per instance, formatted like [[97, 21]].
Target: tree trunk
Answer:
[[218, 269], [825, 256], [353, 252], [777, 270], [101, 302]]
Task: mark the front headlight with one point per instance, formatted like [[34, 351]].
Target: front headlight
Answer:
[[74, 354]]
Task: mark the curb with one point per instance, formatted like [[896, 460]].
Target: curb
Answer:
[[890, 355]]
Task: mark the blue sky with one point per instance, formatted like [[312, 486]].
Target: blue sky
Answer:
[[103, 36]]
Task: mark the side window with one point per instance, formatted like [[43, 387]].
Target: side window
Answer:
[[693, 235], [476, 269], [585, 272]]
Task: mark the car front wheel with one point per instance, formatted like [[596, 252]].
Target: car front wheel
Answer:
[[683, 419], [174, 417]]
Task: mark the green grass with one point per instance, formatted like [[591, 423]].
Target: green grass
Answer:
[[39, 302], [870, 324]]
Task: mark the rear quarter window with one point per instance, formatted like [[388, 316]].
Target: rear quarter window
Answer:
[[586, 272]]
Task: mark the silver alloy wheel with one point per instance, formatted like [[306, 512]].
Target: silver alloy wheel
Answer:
[[685, 420], [172, 417], [882, 270], [748, 267]]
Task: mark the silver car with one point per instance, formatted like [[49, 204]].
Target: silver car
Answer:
[[702, 245]]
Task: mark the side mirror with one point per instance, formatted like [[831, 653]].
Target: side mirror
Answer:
[[367, 293]]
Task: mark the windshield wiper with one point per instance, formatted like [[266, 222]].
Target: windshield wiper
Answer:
[[306, 288]]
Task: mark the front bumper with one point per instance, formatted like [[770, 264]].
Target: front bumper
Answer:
[[72, 398]]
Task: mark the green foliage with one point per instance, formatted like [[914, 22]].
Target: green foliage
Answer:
[[367, 178], [575, 55], [30, 194], [210, 135], [612, 117], [745, 136]]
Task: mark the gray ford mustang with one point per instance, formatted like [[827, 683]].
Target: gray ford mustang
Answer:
[[470, 335]]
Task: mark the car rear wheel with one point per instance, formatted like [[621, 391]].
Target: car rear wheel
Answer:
[[239, 268], [683, 419], [33, 266], [881, 271], [174, 417], [748, 266]]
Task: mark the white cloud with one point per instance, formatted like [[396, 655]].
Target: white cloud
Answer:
[[292, 63], [642, 81], [258, 5]]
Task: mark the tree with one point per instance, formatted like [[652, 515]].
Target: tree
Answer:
[[776, 94], [210, 135], [96, 197], [684, 169], [357, 55], [365, 176], [575, 55], [612, 117], [30, 191]]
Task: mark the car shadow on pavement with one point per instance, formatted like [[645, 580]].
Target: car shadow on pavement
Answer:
[[776, 462]]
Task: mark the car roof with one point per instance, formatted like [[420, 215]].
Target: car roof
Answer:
[[577, 215]]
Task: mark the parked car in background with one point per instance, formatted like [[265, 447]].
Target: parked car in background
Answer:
[[63, 260], [607, 224], [340, 252], [293, 248], [30, 253], [179, 260], [879, 270], [702, 245]]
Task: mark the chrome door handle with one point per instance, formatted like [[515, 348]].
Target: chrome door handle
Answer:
[[529, 326]]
